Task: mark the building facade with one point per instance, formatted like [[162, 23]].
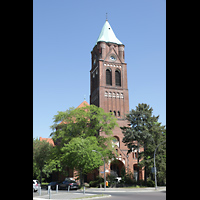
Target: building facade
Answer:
[[109, 90]]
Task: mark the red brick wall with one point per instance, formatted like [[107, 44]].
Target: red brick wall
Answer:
[[102, 52]]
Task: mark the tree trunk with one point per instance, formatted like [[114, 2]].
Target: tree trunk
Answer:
[[138, 170], [81, 177], [145, 170], [40, 176]]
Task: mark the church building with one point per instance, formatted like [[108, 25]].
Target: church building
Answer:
[[109, 90]]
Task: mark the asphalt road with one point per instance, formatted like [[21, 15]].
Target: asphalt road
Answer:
[[126, 195], [137, 196]]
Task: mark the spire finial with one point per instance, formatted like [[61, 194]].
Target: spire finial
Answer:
[[106, 16], [84, 97]]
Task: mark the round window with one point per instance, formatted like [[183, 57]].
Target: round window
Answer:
[[112, 58]]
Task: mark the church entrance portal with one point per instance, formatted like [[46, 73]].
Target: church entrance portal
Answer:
[[117, 166]]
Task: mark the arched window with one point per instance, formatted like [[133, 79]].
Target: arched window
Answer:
[[117, 78], [114, 113], [118, 113], [108, 77], [116, 141]]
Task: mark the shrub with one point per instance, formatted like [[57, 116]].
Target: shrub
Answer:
[[141, 182], [127, 178], [111, 178], [150, 183], [137, 186], [96, 182], [102, 184]]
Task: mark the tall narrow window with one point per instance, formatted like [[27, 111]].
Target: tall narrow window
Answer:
[[108, 77], [116, 141], [117, 78], [118, 114]]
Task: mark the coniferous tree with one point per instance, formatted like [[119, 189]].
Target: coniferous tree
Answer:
[[144, 131]]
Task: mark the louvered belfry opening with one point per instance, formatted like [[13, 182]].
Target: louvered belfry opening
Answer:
[[117, 78], [108, 77]]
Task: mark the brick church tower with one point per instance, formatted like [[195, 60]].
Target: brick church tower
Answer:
[[109, 90], [108, 76]]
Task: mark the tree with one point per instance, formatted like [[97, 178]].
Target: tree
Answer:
[[83, 122], [41, 155], [144, 131], [76, 132], [158, 133], [78, 154]]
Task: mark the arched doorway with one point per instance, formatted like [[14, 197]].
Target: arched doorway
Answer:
[[135, 172], [116, 166]]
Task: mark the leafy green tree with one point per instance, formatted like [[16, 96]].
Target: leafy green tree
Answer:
[[83, 122], [78, 154], [41, 155], [144, 131], [76, 132]]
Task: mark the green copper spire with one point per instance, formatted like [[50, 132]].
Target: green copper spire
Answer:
[[107, 34]]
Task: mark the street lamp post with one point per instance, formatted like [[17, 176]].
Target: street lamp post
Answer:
[[104, 169], [155, 164]]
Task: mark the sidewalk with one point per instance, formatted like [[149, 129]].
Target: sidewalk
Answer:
[[72, 196], [64, 195], [92, 193]]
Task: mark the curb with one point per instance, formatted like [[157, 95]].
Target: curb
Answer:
[[105, 196], [83, 198]]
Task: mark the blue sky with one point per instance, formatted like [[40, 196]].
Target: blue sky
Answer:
[[64, 34]]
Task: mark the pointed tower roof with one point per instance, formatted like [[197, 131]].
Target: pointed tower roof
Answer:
[[107, 34]]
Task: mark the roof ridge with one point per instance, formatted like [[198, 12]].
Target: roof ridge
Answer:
[[83, 104], [49, 140]]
